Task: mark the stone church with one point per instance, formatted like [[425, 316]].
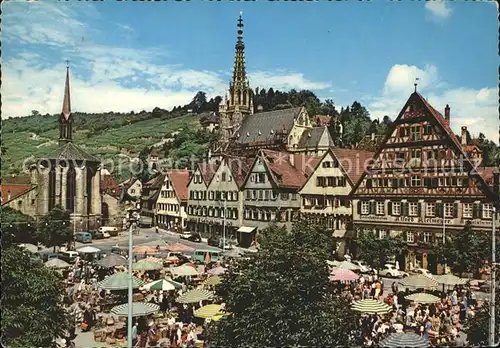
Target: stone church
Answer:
[[69, 177], [244, 132]]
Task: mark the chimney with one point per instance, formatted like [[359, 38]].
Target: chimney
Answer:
[[464, 136], [373, 136], [447, 113]]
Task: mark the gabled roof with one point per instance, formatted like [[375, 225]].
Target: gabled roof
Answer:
[[285, 174], [311, 137], [108, 185], [354, 162], [156, 182], [207, 171], [454, 141], [15, 190], [239, 167], [180, 180], [70, 151], [263, 126]]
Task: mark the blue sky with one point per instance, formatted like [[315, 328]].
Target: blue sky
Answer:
[[134, 55]]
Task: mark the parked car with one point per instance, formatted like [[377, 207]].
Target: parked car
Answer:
[[363, 267], [96, 234], [423, 271], [106, 234], [186, 235], [390, 271], [200, 255], [195, 237], [112, 231], [83, 237], [49, 256], [119, 250], [68, 256]]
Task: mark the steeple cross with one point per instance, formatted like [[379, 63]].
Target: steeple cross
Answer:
[[67, 63]]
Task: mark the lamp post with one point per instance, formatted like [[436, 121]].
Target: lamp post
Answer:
[[492, 342], [132, 216]]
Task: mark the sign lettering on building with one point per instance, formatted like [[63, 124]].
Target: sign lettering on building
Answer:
[[478, 222]]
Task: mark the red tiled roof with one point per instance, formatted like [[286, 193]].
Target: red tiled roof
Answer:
[[239, 166], [180, 180], [353, 161], [14, 190], [108, 185], [473, 147], [285, 174], [207, 171], [487, 174], [322, 120]]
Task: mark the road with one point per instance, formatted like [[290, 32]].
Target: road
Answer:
[[145, 235]]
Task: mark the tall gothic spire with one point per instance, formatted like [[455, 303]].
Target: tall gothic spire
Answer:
[[66, 119], [239, 73]]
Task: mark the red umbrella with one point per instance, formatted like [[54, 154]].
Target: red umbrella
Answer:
[[343, 275]]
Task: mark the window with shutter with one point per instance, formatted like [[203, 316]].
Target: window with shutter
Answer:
[[439, 209], [455, 211], [419, 209], [389, 208], [465, 182], [373, 207]]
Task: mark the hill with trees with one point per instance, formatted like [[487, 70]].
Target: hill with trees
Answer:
[[121, 137]]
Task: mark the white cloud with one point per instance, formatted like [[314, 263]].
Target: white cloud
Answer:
[[103, 77], [285, 81], [438, 8], [475, 108]]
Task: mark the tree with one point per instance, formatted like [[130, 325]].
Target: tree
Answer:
[[375, 251], [17, 227], [199, 102], [281, 296], [32, 309], [54, 228], [35, 113], [464, 251], [478, 326]]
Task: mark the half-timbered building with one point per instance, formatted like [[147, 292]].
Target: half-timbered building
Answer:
[[422, 184]]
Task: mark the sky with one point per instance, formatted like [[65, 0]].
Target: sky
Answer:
[[129, 55]]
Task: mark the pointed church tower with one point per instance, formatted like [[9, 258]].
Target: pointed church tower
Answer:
[[66, 119], [239, 101]]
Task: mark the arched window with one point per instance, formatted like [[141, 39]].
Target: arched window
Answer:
[[70, 189], [52, 187], [88, 187]]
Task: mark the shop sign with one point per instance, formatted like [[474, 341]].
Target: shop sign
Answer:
[[478, 222]]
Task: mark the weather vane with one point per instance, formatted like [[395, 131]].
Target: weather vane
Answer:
[[67, 63], [415, 84]]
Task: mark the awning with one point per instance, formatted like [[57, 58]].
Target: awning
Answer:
[[339, 234], [246, 229]]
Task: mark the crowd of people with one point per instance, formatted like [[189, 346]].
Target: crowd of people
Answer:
[[441, 323]]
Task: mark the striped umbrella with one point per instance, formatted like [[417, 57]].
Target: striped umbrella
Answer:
[[343, 275], [145, 265], [119, 281], [144, 249], [178, 247], [403, 339], [370, 306], [139, 309], [208, 311], [213, 280], [163, 285], [422, 297], [418, 281], [153, 259], [195, 295], [450, 279]]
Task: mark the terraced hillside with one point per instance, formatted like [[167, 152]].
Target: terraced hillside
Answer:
[[107, 136]]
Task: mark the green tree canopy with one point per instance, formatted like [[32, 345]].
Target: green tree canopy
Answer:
[[32, 309], [465, 251], [17, 227], [478, 326], [375, 251], [54, 228], [281, 296]]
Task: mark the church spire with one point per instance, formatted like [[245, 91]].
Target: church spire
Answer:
[[66, 119], [239, 73]]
